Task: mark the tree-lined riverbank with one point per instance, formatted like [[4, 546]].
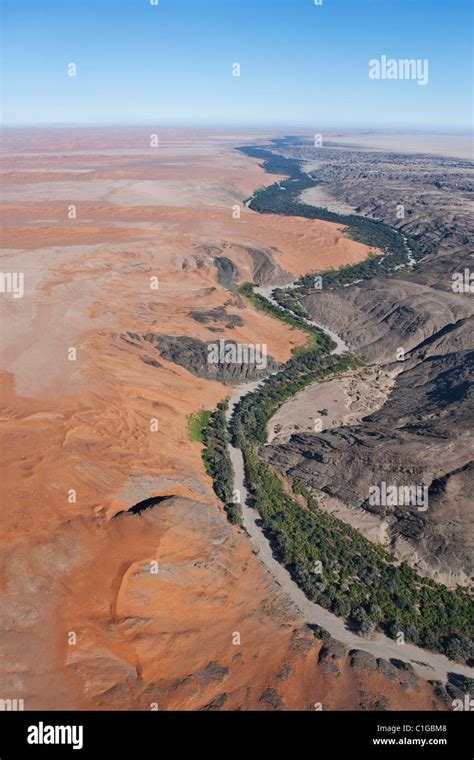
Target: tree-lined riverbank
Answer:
[[343, 575]]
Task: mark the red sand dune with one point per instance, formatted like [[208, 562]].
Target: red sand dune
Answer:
[[86, 624]]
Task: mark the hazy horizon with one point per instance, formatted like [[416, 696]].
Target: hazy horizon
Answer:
[[293, 128]]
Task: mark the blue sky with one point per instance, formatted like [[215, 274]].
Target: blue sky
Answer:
[[301, 64]]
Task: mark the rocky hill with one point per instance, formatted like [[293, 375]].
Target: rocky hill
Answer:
[[413, 324]]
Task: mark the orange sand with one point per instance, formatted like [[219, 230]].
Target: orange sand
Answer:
[[84, 425]]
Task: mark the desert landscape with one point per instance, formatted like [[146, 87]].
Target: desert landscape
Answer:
[[419, 429], [123, 584], [236, 364], [78, 593]]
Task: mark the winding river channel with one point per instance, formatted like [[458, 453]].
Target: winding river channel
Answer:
[[427, 664]]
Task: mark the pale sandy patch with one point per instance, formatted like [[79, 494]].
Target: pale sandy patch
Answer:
[[317, 196], [454, 144], [342, 401]]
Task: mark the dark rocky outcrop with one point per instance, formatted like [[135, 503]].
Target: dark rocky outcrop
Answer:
[[213, 672], [196, 356], [360, 660], [218, 316], [226, 361], [421, 436], [332, 650], [216, 703], [266, 270], [270, 698], [227, 274]]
